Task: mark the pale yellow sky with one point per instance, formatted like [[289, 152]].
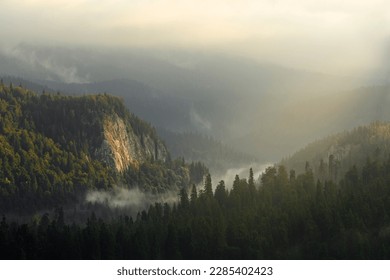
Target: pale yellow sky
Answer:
[[334, 36]]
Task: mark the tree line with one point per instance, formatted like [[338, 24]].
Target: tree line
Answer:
[[47, 146], [287, 216]]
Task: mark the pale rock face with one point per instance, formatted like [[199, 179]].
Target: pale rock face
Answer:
[[122, 148]]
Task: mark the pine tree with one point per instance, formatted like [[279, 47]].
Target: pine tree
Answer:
[[194, 194], [251, 183], [221, 193], [184, 201], [208, 188]]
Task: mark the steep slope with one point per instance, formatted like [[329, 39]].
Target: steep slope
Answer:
[[160, 108], [214, 94], [54, 148], [98, 125], [197, 147], [332, 156]]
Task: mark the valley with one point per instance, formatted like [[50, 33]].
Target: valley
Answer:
[[129, 155]]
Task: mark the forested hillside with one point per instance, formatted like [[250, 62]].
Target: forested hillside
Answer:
[[197, 147], [288, 216], [331, 157], [53, 148]]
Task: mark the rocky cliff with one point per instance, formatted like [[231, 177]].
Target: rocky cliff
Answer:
[[122, 148], [99, 126], [55, 148]]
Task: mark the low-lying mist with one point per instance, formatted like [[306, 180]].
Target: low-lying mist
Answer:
[[133, 200], [242, 171]]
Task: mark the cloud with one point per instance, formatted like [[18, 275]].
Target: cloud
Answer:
[[321, 35], [242, 171], [54, 68], [199, 122], [134, 199]]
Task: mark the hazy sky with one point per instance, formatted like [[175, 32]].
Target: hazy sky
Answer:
[[334, 36]]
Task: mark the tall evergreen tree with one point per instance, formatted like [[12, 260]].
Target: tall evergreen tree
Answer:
[[208, 188], [221, 193], [184, 201], [194, 194]]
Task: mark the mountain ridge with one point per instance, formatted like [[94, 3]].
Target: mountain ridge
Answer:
[[55, 148], [332, 156]]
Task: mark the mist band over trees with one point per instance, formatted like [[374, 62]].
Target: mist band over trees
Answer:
[[178, 130], [288, 217]]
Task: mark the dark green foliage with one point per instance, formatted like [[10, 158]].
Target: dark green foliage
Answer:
[[45, 161], [48, 146], [285, 217], [156, 176], [35, 170], [75, 122], [330, 158], [197, 172], [208, 188], [221, 194]]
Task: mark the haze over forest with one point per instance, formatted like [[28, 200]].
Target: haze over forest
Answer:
[[264, 77], [114, 107]]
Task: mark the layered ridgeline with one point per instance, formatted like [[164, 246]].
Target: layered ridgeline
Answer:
[[285, 215], [54, 148], [217, 156], [330, 158]]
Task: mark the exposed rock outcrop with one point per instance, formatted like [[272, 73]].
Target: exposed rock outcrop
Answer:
[[122, 148]]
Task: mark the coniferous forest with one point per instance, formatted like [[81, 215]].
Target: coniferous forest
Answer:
[[194, 130], [48, 147], [48, 161], [288, 217]]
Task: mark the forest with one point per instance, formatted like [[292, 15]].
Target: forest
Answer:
[[48, 146], [47, 162], [197, 147], [332, 156], [287, 216]]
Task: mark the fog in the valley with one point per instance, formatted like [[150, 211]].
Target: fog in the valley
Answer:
[[263, 77], [242, 172], [131, 199]]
